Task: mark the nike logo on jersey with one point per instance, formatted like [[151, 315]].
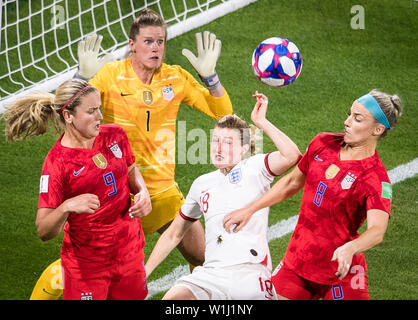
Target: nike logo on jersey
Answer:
[[52, 294], [76, 173], [125, 94], [317, 158]]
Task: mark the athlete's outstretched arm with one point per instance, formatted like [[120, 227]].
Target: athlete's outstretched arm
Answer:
[[283, 189], [167, 242], [287, 154], [208, 50], [89, 62], [214, 101]]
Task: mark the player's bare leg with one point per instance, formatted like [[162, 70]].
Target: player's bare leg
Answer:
[[192, 247], [179, 293]]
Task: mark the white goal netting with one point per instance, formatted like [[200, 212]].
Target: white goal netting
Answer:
[[38, 38]]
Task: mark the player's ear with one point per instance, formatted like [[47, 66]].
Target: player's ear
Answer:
[[131, 44], [379, 129], [68, 117]]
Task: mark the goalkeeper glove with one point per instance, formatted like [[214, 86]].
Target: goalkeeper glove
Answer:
[[208, 50], [88, 62]]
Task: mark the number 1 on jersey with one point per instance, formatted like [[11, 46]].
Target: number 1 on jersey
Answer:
[[148, 118]]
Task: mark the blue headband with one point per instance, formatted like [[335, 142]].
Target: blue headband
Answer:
[[371, 104]]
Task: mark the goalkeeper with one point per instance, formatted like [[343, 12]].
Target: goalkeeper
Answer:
[[143, 95]]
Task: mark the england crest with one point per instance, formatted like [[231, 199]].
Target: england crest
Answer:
[[348, 181], [235, 176], [117, 152]]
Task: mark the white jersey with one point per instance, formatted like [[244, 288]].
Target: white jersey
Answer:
[[214, 195]]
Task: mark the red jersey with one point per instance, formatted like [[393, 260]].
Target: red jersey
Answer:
[[337, 195], [109, 233]]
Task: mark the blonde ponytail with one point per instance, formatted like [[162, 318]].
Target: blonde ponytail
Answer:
[[29, 116]]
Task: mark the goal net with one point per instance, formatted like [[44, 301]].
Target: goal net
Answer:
[[38, 38]]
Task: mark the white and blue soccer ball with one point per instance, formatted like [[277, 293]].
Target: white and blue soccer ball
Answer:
[[277, 62]]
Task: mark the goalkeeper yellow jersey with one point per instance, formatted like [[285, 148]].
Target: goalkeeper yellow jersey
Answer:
[[148, 113]]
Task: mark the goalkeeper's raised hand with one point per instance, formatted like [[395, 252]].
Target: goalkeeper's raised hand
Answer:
[[88, 57], [208, 51]]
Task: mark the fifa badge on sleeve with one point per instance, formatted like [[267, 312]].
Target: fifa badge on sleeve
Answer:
[[43, 185], [387, 190]]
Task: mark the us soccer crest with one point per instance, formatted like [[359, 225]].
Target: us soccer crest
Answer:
[[168, 93], [235, 176], [348, 181], [117, 152]]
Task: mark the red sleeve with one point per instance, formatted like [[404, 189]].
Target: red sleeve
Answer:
[[310, 152], [130, 158], [379, 194], [266, 163], [377, 202], [51, 193]]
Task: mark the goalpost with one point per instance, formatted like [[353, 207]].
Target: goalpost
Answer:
[[38, 38]]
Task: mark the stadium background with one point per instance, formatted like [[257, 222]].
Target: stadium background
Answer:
[[340, 64]]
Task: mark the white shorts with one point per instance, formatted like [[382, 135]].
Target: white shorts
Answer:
[[240, 282]]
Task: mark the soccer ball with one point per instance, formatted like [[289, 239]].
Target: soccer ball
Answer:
[[277, 62]]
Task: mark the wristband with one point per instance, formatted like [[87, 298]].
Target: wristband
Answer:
[[211, 82], [78, 76]]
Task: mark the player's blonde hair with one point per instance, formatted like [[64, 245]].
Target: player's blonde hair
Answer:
[[30, 115], [391, 106], [248, 134], [146, 18]]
